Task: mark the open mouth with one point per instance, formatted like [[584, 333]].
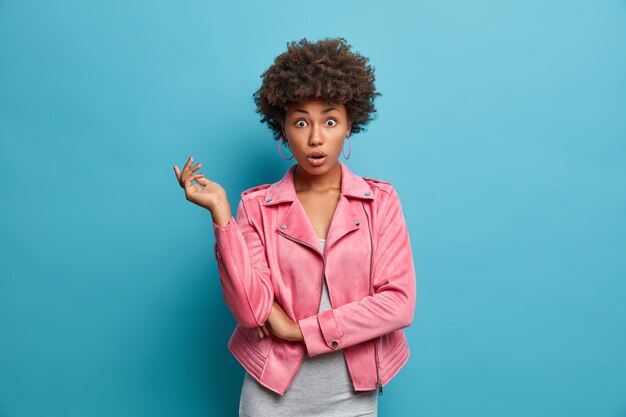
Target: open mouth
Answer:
[[317, 160]]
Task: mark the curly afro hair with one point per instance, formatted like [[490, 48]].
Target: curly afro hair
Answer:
[[324, 70]]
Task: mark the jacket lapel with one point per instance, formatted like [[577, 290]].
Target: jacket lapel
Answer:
[[295, 223], [344, 221]]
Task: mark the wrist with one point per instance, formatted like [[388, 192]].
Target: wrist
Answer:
[[299, 337], [221, 213]]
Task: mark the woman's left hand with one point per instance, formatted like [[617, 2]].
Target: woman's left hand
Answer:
[[281, 325]]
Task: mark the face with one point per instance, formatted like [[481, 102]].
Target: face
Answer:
[[316, 127]]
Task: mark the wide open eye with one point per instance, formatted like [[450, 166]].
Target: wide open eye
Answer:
[[300, 121], [334, 122]]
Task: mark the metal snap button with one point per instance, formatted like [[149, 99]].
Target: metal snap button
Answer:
[[218, 254], [367, 193], [334, 343], [268, 200], [356, 221], [282, 226]]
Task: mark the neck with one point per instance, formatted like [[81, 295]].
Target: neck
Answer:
[[304, 181]]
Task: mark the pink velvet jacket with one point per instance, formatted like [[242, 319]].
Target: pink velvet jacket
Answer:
[[270, 251]]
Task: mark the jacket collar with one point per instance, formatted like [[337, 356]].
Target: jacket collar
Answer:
[[284, 190]]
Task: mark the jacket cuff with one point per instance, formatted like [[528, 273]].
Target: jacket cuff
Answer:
[[230, 222], [221, 233], [320, 333]]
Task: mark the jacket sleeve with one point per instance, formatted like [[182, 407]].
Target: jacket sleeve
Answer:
[[243, 268], [391, 306]]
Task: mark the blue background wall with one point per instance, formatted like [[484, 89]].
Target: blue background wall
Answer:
[[502, 125]]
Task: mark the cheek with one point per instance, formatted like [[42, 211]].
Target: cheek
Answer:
[[296, 145], [340, 141]]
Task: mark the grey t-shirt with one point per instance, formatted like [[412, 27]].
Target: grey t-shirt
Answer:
[[322, 387]]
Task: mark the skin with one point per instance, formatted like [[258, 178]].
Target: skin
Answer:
[[317, 126], [310, 126]]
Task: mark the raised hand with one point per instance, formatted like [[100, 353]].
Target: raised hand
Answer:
[[208, 194]]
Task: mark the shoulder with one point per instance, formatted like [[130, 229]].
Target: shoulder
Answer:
[[377, 185], [250, 202], [254, 192], [386, 195]]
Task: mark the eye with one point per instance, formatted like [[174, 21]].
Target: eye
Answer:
[[300, 121], [334, 122]]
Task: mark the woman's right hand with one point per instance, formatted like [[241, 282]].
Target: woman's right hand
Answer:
[[280, 325], [209, 196], [263, 331]]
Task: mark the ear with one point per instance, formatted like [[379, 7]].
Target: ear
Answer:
[[282, 128]]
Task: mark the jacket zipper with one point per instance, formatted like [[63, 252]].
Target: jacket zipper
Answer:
[[378, 382]]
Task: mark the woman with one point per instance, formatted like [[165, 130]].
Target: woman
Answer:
[[316, 268]]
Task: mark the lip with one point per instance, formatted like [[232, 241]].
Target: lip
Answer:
[[316, 162], [316, 153]]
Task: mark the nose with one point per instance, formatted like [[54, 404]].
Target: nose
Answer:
[[316, 137]]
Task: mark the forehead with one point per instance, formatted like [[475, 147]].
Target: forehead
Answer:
[[315, 107]]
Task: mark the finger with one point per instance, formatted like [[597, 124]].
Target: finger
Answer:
[[190, 171], [194, 168], [186, 167], [266, 330], [188, 163], [191, 178], [260, 332], [178, 175], [203, 181], [195, 177]]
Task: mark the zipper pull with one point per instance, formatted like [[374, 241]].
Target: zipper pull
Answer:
[[380, 388]]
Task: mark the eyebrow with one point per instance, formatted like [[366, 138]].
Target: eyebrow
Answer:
[[323, 111]]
